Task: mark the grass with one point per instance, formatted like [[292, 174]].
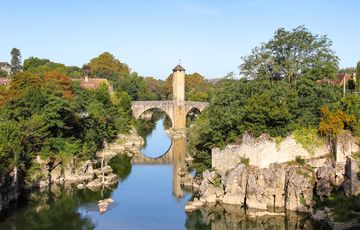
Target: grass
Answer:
[[301, 161], [278, 141], [217, 182], [245, 161], [302, 200]]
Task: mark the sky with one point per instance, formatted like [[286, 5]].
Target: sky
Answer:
[[151, 36]]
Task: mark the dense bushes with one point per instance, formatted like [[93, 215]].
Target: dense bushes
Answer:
[[256, 107], [279, 93], [49, 115]]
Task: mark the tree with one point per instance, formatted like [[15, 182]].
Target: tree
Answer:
[[332, 123], [107, 66], [351, 85], [3, 74], [34, 62], [358, 75], [15, 61], [290, 55]]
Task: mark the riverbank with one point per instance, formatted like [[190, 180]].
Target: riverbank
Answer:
[[91, 174], [249, 175]]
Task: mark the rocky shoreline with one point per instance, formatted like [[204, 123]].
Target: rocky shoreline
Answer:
[[90, 174], [287, 186]]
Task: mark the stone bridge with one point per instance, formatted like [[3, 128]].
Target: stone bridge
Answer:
[[139, 107], [178, 108]]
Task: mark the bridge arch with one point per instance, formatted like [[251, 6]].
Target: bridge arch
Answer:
[[139, 107], [195, 105]]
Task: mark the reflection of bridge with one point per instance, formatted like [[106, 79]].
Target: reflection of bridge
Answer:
[[175, 155], [141, 159], [178, 108]]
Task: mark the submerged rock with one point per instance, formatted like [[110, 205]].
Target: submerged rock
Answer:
[[104, 204]]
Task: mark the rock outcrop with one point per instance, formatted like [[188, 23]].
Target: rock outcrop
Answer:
[[129, 144], [92, 173], [351, 171], [280, 185], [288, 186]]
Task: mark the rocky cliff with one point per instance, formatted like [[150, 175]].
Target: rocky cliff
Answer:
[[91, 173], [290, 185]]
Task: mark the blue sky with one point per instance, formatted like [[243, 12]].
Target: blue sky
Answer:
[[151, 36]]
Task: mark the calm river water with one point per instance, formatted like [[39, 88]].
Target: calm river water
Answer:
[[148, 197]]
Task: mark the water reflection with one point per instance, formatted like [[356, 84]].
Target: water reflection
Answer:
[[234, 217], [54, 209], [148, 197], [152, 128]]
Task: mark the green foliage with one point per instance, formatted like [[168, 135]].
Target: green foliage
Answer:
[[278, 141], [51, 116], [351, 106], [308, 138], [3, 74], [302, 200], [40, 66], [121, 165], [301, 161], [348, 70], [283, 95], [107, 66], [311, 97], [358, 74], [245, 161], [217, 182], [290, 55], [34, 62], [15, 60]]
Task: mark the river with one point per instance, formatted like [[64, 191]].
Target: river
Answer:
[[149, 196]]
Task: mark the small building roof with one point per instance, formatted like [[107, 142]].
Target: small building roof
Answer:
[[5, 64], [178, 68]]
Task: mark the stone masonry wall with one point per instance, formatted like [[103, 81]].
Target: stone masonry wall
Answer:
[[261, 152]]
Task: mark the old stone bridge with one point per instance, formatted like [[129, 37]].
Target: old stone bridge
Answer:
[[139, 107], [178, 108]]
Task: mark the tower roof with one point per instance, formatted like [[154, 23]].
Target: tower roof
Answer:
[[178, 68]]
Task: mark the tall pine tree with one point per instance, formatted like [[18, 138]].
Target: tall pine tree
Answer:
[[15, 60], [358, 76]]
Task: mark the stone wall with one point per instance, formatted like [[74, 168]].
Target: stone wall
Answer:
[[264, 151]]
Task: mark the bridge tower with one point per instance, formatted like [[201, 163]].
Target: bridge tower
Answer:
[[179, 113]]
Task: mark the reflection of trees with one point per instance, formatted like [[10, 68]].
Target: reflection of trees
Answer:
[[167, 122], [121, 165], [56, 209]]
